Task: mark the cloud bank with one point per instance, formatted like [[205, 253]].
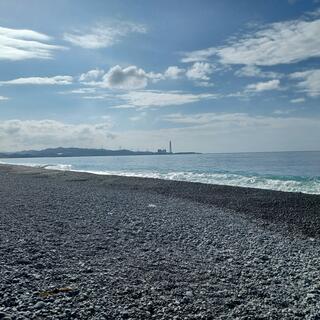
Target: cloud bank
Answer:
[[19, 134], [204, 132], [133, 77], [275, 43]]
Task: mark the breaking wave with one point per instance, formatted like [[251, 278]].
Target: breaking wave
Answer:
[[304, 184], [63, 167], [289, 184]]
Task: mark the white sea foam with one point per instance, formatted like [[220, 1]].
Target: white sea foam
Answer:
[[63, 167], [289, 184], [311, 186]]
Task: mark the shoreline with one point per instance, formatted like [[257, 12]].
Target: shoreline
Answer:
[[299, 212], [82, 246], [292, 184], [287, 183]]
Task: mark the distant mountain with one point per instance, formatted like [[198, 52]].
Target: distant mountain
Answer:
[[78, 152]]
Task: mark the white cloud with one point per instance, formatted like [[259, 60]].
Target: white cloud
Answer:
[[254, 71], [146, 99], [18, 134], [205, 118], [200, 71], [155, 77], [205, 84], [134, 78], [3, 98], [80, 91], [103, 35], [276, 43], [127, 78], [96, 97], [264, 86], [57, 80], [298, 100], [124, 106], [198, 55], [283, 112], [21, 44], [91, 75], [309, 81], [174, 72]]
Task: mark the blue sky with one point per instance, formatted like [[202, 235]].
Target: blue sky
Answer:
[[212, 76]]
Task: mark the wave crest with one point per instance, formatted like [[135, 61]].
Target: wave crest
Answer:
[[279, 183]]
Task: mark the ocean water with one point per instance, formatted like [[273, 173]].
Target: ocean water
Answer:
[[285, 171]]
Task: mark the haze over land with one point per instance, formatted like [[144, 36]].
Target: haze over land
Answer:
[[82, 152], [215, 76]]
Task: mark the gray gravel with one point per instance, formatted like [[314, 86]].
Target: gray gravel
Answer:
[[78, 246]]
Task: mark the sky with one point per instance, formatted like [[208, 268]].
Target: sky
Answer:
[[210, 75]]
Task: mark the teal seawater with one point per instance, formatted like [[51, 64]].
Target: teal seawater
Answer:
[[285, 171]]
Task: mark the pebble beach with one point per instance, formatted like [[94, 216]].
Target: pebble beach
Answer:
[[82, 246]]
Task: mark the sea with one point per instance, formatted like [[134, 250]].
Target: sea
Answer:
[[284, 171]]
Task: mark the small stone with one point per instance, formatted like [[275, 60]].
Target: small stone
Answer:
[[39, 305], [4, 316], [311, 296], [189, 294]]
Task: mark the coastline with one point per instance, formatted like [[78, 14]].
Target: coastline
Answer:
[[268, 171], [300, 212], [83, 246]]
